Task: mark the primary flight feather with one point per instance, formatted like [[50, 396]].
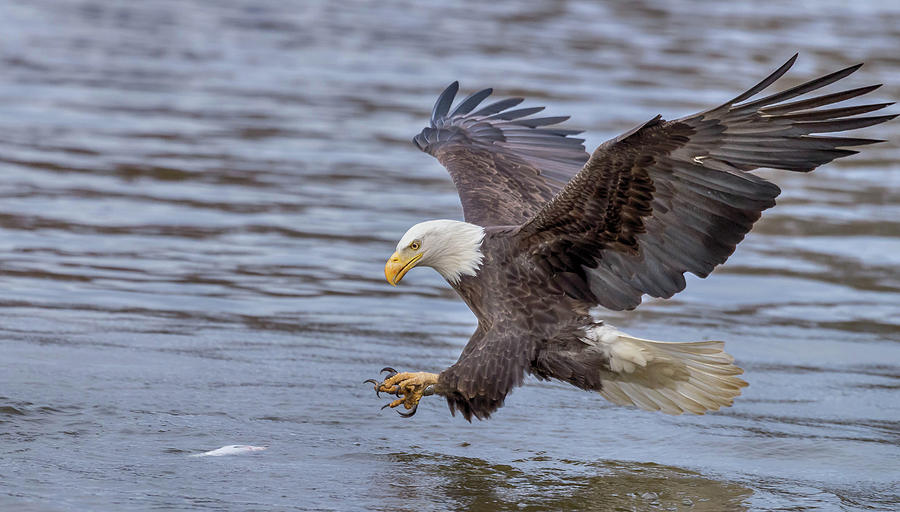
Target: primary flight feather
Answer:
[[551, 232]]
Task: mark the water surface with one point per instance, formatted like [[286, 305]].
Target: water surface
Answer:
[[197, 198]]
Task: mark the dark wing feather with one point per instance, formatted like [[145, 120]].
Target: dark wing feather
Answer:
[[505, 164], [671, 197]]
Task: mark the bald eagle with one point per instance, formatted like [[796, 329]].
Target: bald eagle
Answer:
[[551, 232]]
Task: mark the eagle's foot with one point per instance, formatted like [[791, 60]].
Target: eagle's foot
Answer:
[[409, 387]]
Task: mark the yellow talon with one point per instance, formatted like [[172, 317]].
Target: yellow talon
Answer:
[[409, 388]]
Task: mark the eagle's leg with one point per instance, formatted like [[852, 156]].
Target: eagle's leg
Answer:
[[409, 387]]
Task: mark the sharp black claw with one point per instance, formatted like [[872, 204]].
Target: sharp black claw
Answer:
[[377, 385], [385, 406], [390, 371], [410, 413]]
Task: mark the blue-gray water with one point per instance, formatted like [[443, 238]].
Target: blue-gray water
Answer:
[[197, 198]]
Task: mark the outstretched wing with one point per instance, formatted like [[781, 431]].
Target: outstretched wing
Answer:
[[671, 197], [505, 163]]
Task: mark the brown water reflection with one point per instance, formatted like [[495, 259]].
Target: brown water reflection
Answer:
[[465, 483]]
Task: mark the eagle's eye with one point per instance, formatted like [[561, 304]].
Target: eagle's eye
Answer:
[[415, 245]]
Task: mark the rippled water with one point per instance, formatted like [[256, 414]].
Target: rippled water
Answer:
[[198, 198]]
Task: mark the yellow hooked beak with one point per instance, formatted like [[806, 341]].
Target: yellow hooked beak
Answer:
[[397, 267]]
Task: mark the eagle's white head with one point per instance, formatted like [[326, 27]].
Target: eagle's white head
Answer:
[[451, 247]]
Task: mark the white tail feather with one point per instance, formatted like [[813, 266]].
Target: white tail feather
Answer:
[[674, 378]]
